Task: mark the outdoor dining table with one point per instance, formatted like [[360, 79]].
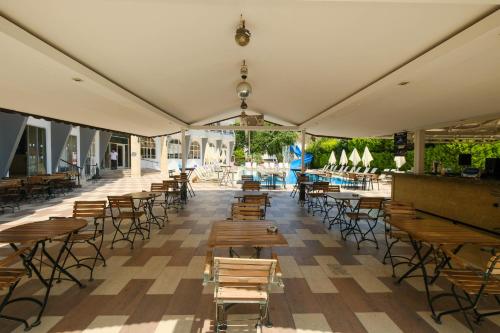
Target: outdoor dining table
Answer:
[[342, 202], [146, 199], [438, 233], [234, 234], [38, 233]]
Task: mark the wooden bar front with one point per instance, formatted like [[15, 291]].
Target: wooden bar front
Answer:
[[471, 201]]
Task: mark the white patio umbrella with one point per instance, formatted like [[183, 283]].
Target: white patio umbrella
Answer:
[[354, 157], [400, 161], [367, 157], [332, 159], [343, 158]]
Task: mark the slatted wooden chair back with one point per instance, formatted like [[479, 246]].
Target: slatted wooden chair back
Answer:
[[334, 188], [257, 199], [302, 179], [157, 187], [320, 186], [245, 178], [171, 185], [35, 180], [370, 203], [399, 210], [241, 272], [246, 211], [251, 186], [121, 203], [493, 266], [89, 209]]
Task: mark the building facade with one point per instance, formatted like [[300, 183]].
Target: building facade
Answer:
[[35, 146]]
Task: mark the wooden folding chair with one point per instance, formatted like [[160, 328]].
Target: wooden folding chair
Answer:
[[9, 279], [159, 201], [250, 185], [394, 210], [368, 210], [94, 212], [474, 284], [316, 197], [172, 194], [257, 199], [122, 208], [243, 281], [245, 211]]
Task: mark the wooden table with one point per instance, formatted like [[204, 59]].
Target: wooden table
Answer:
[[38, 233], [438, 233], [146, 199], [241, 194], [229, 234]]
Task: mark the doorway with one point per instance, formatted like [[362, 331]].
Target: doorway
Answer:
[[122, 155]]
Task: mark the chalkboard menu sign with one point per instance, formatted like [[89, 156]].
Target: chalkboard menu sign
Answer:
[[400, 143]]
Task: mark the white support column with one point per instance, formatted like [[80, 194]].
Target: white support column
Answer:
[[419, 152], [164, 156], [302, 148], [135, 156], [183, 149]]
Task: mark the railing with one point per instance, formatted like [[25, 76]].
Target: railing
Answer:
[[150, 164], [73, 168], [92, 171]]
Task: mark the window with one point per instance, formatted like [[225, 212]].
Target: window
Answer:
[[174, 149], [194, 150], [36, 150], [148, 148]]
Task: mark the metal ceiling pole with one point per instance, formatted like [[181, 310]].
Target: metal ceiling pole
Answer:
[[302, 149], [183, 149], [419, 155]]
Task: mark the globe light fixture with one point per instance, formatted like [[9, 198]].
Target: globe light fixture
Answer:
[[243, 89], [242, 36]]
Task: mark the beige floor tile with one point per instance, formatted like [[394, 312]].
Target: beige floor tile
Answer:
[[195, 268], [374, 265], [328, 241], [366, 279], [167, 281], [106, 324], [311, 323], [294, 240], [448, 324], [114, 285], [289, 267], [180, 234], [377, 322], [193, 240], [151, 270], [175, 324], [317, 280], [331, 267], [47, 323]]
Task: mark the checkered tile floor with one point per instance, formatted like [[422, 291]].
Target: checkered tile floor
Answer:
[[329, 285]]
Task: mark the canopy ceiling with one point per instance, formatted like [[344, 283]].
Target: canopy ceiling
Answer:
[[153, 67]]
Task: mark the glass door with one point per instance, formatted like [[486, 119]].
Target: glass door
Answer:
[[36, 151], [121, 153]]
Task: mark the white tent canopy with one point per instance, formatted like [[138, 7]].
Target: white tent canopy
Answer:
[[400, 161], [332, 159], [343, 158], [367, 157], [134, 85], [354, 157]]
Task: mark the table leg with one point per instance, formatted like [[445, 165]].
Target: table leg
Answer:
[[55, 267], [421, 264]]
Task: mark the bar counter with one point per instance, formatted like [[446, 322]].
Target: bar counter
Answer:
[[475, 202]]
